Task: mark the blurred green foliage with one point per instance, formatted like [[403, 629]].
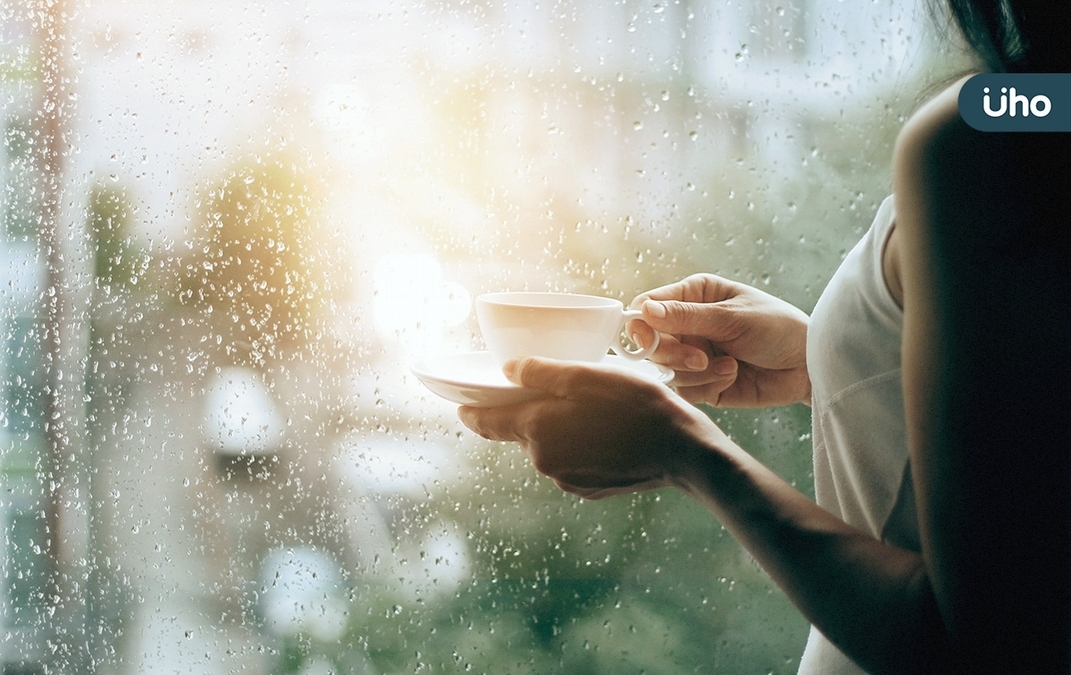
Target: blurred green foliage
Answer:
[[119, 263]]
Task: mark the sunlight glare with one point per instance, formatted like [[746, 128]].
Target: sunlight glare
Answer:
[[414, 304]]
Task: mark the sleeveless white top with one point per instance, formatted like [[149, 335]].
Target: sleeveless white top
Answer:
[[861, 470]]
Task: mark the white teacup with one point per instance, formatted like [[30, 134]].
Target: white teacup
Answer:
[[564, 326]]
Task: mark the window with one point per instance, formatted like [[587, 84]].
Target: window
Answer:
[[229, 230]]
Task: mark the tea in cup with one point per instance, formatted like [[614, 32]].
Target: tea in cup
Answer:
[[563, 326]]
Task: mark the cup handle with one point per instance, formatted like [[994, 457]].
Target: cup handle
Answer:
[[640, 354]]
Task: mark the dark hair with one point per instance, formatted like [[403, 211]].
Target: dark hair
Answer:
[[1017, 35]]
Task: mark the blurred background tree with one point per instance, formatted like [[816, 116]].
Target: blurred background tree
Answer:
[[259, 266], [119, 263]]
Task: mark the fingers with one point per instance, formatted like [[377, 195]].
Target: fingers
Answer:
[[561, 380], [683, 354], [572, 380], [703, 288], [715, 321], [710, 306], [557, 378], [750, 388], [719, 374], [493, 424], [641, 333]]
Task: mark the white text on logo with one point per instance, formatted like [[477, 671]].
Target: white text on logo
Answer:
[[1039, 106]]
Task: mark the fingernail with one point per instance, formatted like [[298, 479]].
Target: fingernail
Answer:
[[655, 309], [695, 362], [509, 368], [724, 367]]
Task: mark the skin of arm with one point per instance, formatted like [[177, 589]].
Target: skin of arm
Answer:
[[985, 267], [601, 431]]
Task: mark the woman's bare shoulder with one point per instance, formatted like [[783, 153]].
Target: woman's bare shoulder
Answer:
[[937, 155], [954, 181], [934, 121]]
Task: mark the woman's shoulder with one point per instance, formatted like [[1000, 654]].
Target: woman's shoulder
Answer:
[[935, 119], [936, 137], [936, 146], [947, 173]]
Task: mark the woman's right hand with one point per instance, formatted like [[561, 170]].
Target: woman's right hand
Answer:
[[730, 344]]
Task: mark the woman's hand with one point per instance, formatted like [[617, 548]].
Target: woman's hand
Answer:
[[602, 430], [599, 431], [730, 344]]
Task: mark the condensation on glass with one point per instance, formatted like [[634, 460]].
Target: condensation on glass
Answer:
[[230, 227]]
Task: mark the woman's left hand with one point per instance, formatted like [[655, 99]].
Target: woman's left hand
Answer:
[[599, 431]]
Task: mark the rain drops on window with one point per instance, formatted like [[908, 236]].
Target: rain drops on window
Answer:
[[229, 230]]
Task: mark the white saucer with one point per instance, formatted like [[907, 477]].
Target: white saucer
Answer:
[[473, 378]]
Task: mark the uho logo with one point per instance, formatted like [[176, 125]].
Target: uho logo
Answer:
[[1017, 102]]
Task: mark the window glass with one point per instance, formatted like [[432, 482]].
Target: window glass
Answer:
[[231, 228]]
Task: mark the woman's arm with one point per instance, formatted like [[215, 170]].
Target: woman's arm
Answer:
[[601, 432], [872, 600], [983, 222]]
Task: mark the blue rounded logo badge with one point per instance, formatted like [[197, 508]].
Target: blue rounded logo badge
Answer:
[[1017, 102]]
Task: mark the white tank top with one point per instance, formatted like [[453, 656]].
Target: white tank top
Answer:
[[861, 470]]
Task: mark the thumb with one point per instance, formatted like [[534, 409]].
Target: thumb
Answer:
[[710, 320], [547, 375], [573, 380]]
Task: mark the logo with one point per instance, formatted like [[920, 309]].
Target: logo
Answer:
[[1017, 102]]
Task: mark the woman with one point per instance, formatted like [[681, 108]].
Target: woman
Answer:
[[938, 363]]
